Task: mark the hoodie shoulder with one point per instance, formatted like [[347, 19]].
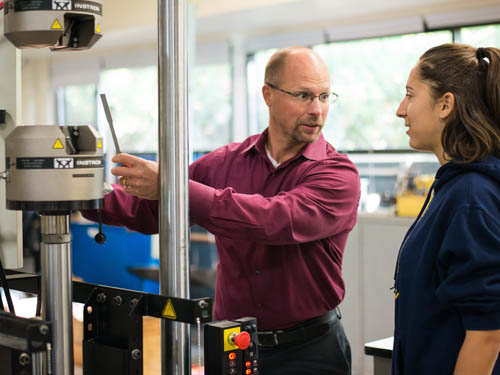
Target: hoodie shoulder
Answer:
[[474, 184]]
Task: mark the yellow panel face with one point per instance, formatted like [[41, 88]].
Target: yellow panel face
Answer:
[[228, 346]]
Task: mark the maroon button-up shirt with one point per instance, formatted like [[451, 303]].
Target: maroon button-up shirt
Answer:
[[280, 232]]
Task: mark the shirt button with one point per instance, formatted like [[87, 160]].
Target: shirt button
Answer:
[[259, 305], [257, 272]]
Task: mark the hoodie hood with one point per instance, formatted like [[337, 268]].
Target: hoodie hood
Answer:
[[489, 167]]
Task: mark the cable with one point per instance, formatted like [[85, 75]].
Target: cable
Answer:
[[6, 288], [39, 299]]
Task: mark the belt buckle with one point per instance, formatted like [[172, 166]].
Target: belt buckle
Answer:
[[275, 337]]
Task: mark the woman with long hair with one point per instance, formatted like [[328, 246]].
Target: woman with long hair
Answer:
[[447, 280]]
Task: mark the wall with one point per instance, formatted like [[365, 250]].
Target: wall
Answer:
[[368, 271]]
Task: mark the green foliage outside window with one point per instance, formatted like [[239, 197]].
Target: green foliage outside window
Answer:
[[210, 107], [370, 77], [132, 94], [481, 36], [79, 105]]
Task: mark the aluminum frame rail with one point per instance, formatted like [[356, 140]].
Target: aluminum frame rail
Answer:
[[173, 164]]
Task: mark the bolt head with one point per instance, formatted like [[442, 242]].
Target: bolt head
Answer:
[[136, 354], [24, 359], [101, 298], [117, 300], [44, 329]]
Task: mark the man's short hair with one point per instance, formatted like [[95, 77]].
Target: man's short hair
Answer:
[[276, 63]]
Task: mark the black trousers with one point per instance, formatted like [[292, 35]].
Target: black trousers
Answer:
[[328, 354]]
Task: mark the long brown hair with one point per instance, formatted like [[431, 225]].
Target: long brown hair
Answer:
[[472, 75]]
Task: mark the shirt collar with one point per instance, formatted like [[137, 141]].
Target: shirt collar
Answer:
[[313, 151]]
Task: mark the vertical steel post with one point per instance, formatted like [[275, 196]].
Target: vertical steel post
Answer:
[[173, 159], [57, 293]]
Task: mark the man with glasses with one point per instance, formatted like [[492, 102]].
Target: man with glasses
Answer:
[[281, 205]]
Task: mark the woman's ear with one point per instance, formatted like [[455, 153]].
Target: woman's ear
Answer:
[[446, 105]]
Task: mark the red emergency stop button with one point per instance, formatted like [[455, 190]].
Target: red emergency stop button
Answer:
[[242, 340]]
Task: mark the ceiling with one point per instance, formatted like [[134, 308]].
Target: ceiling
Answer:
[[208, 8], [222, 19], [132, 24]]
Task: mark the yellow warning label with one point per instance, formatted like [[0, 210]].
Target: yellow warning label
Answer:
[[99, 143], [98, 28], [168, 310], [56, 25], [58, 144], [228, 344]]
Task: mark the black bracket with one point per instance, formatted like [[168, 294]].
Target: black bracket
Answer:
[[154, 305], [29, 335], [21, 338], [112, 333], [112, 329], [2, 116], [158, 306]]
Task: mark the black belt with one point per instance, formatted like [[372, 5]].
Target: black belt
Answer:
[[301, 332]]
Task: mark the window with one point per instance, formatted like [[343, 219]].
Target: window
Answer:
[[132, 95], [481, 36], [370, 77], [77, 105], [258, 112], [210, 113]]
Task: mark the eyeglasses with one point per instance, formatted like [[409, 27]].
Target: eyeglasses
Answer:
[[307, 97]]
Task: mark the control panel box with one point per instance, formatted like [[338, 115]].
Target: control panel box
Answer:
[[231, 347]]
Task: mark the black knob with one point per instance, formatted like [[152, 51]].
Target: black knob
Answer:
[[100, 238]]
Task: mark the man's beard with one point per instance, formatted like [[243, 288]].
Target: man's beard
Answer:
[[298, 137]]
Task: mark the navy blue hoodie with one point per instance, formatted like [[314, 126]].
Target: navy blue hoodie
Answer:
[[448, 271]]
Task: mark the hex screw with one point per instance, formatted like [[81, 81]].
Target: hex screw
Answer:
[[136, 354], [44, 329], [203, 304], [24, 359], [117, 300], [101, 298]]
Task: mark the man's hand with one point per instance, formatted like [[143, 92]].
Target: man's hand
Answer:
[[138, 177]]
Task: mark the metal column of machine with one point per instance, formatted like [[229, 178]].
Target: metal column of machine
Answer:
[[173, 157], [57, 289]]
